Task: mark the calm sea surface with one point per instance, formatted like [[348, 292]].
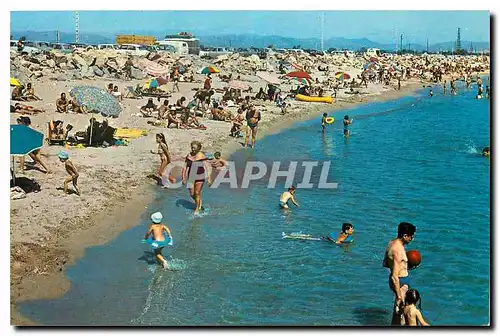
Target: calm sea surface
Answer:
[[415, 159]]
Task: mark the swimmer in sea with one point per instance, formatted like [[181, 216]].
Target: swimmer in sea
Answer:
[[159, 242], [486, 152], [347, 122], [288, 196], [323, 121], [344, 237], [430, 93]]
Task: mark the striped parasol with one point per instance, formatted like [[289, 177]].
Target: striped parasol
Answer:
[[342, 75], [155, 69]]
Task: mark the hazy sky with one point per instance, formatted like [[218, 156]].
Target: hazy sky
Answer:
[[379, 26]]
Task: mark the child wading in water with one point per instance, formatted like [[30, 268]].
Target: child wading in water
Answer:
[[413, 315], [73, 173], [157, 239]]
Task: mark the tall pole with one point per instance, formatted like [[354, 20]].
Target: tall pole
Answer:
[[427, 48], [77, 27], [322, 29], [401, 44], [58, 36]]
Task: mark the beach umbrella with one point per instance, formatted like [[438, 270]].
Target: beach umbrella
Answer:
[[236, 84], [24, 140], [161, 80], [208, 70], [14, 82], [155, 69], [96, 99], [298, 66], [342, 75], [268, 77], [298, 74], [151, 83]]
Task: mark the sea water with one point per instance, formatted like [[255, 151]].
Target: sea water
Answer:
[[415, 159]]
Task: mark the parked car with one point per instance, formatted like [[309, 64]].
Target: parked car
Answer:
[[64, 48], [133, 49], [213, 52], [29, 47], [106, 46]]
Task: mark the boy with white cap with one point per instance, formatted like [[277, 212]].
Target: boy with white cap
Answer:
[[158, 241], [73, 173]]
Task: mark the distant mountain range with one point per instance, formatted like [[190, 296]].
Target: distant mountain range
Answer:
[[252, 40]]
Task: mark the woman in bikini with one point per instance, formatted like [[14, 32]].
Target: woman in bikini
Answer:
[[197, 159], [253, 118], [164, 158]]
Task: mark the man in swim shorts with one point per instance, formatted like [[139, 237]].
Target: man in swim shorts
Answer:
[[288, 196], [395, 259], [158, 241]]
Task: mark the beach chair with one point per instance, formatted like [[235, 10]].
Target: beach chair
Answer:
[[132, 93]]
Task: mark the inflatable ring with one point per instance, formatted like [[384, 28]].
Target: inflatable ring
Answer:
[[329, 120]]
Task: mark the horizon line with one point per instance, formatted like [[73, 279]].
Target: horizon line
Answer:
[[236, 34]]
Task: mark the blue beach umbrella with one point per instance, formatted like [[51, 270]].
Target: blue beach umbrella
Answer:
[[96, 99], [24, 140]]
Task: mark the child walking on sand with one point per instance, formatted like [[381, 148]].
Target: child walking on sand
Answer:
[[155, 237], [73, 173], [412, 315]]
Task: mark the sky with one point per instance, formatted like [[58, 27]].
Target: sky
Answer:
[[379, 26]]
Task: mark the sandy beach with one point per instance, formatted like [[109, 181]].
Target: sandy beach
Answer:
[[50, 230]]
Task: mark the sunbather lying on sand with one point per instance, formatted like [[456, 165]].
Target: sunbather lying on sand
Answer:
[[25, 109]]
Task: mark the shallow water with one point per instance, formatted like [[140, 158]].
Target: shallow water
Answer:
[[415, 159]]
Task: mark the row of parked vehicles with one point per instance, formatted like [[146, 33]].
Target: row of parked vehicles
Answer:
[[34, 47]]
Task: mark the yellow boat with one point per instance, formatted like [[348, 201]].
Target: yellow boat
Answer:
[[328, 100]]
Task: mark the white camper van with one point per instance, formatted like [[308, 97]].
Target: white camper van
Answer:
[[181, 47]]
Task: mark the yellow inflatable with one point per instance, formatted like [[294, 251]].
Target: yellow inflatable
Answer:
[[329, 120], [130, 133], [328, 100]]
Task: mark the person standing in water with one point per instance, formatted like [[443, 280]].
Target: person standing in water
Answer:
[[396, 260], [444, 87], [288, 195], [158, 241], [431, 93], [253, 117], [196, 159], [323, 121], [164, 157], [347, 122]]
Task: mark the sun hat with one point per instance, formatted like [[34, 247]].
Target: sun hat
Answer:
[[156, 217], [63, 155]]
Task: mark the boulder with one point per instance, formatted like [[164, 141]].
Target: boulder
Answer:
[[63, 66], [98, 71], [50, 63], [35, 67], [100, 61], [136, 73], [47, 72], [78, 61]]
